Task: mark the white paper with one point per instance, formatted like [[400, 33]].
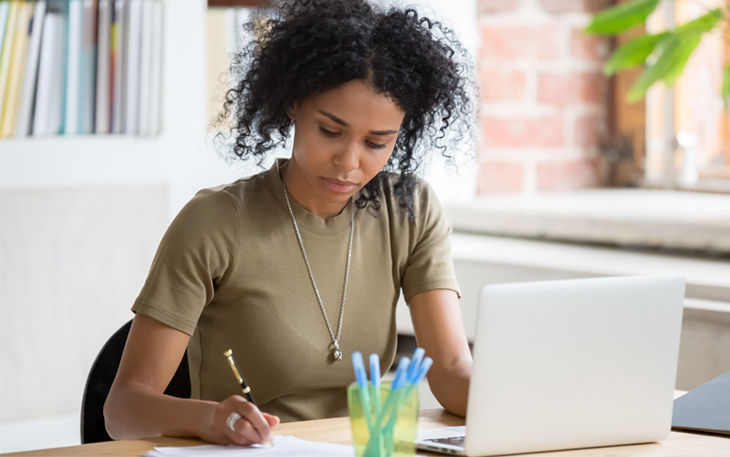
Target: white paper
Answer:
[[284, 446]]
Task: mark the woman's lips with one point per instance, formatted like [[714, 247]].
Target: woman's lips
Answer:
[[335, 185]]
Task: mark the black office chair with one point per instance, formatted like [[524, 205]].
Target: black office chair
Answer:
[[99, 382]]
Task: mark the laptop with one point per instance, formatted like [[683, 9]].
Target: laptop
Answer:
[[569, 364]]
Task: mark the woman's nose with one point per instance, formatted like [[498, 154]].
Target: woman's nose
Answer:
[[348, 158]]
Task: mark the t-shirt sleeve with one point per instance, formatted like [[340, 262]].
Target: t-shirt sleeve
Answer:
[[195, 257], [429, 265]]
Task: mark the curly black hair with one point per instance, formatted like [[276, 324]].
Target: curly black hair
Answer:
[[299, 48]]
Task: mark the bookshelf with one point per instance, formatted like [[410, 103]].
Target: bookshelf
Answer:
[[81, 220], [179, 157]]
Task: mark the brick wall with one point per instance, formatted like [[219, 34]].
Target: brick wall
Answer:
[[543, 95]]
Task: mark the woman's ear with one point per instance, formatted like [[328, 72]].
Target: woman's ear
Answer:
[[292, 111]]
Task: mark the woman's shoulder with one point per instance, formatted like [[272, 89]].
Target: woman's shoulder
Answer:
[[237, 193]]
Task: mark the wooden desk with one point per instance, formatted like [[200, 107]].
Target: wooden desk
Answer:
[[338, 431]]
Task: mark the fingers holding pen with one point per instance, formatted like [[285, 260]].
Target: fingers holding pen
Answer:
[[252, 426], [247, 423]]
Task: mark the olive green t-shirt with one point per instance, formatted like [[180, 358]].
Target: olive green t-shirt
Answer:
[[230, 273]]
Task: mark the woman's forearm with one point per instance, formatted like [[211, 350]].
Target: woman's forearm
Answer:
[[135, 411], [450, 386]]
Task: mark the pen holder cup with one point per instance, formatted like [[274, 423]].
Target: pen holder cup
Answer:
[[398, 414]]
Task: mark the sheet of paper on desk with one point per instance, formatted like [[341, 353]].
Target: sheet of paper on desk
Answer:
[[284, 446]]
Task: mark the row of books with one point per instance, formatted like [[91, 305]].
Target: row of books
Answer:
[[71, 67]]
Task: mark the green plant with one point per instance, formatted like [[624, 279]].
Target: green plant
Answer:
[[669, 50]]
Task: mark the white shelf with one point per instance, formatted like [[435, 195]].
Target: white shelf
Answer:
[[79, 161]]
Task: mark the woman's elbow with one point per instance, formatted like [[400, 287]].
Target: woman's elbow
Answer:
[[113, 413]]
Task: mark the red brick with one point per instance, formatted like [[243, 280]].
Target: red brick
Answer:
[[588, 130], [520, 41], [500, 176], [566, 175], [589, 47], [502, 85], [569, 6], [523, 132], [497, 6], [571, 88]]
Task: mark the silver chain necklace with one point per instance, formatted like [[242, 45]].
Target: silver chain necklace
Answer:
[[336, 353]]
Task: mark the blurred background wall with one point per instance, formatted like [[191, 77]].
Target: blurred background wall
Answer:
[[543, 95]]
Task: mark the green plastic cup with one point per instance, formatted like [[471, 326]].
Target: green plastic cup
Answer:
[[398, 414]]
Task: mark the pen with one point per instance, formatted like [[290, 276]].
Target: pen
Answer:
[[237, 373], [375, 386], [362, 381]]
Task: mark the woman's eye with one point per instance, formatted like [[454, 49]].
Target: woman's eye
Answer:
[[328, 132], [376, 145]]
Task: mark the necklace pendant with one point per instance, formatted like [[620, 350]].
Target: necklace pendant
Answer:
[[336, 353]]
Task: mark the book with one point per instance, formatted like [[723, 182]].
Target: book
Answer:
[[4, 10], [49, 97], [87, 69], [102, 119], [118, 67], [145, 67], [27, 100], [6, 51], [133, 57], [156, 70], [73, 68], [17, 69]]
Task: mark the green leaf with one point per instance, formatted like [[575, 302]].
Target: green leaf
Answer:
[[633, 53], [702, 24], [726, 85], [621, 17], [675, 52]]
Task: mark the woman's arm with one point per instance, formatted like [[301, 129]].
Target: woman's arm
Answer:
[[439, 330], [137, 407]]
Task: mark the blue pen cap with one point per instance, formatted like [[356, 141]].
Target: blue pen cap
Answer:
[[415, 365], [425, 366], [375, 369], [400, 373], [359, 366]]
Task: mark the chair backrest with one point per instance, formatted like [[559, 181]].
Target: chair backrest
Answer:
[[101, 377]]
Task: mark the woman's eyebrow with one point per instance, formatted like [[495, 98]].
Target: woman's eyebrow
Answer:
[[345, 124]]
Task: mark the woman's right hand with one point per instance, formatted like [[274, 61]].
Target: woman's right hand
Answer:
[[137, 406], [254, 426]]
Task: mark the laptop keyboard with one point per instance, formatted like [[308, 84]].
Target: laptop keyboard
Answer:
[[452, 441]]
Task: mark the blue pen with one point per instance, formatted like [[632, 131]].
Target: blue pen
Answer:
[[398, 407], [398, 381], [362, 381], [415, 364], [400, 374], [375, 380], [375, 383], [425, 366]]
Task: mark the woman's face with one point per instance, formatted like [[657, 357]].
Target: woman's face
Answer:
[[342, 139]]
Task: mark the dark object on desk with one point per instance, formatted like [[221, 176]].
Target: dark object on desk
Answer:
[[100, 381], [705, 409]]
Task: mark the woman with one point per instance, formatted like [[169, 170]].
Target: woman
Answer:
[[297, 267]]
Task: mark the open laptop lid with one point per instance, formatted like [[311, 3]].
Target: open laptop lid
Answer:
[[571, 364]]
